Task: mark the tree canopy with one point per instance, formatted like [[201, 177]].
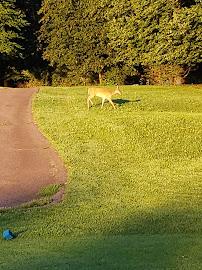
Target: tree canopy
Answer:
[[11, 22], [158, 33], [105, 41], [102, 36]]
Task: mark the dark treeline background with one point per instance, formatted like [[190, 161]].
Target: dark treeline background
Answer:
[[80, 42]]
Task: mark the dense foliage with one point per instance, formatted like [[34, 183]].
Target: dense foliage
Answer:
[[106, 41], [111, 39], [159, 34], [32, 55], [11, 22]]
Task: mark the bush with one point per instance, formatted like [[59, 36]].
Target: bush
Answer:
[[165, 75], [29, 79], [120, 75]]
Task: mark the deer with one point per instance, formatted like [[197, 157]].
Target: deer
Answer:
[[103, 93]]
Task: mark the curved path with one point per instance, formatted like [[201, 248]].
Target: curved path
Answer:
[[27, 162]]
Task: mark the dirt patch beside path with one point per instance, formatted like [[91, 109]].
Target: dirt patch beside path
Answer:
[[27, 161]]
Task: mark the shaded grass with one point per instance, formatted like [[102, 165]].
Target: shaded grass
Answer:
[[111, 252], [133, 171]]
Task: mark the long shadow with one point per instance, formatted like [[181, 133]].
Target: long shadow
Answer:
[[121, 102], [141, 241]]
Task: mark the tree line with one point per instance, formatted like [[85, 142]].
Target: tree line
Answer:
[[77, 42]]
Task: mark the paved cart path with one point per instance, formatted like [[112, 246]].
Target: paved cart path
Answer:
[[27, 162]]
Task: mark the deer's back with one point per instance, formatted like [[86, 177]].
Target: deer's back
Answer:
[[99, 92]]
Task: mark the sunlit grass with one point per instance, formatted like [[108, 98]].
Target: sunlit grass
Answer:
[[145, 155], [49, 190], [133, 170]]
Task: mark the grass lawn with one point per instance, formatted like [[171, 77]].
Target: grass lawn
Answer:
[[134, 194]]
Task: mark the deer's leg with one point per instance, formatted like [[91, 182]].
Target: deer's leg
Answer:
[[88, 102], [103, 100], [110, 101]]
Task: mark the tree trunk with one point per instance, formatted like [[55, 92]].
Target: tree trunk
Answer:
[[101, 77]]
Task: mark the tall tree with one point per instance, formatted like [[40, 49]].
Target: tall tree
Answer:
[[12, 21], [95, 38], [32, 55], [159, 35], [74, 33]]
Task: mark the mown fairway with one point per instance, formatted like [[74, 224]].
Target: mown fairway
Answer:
[[133, 198]]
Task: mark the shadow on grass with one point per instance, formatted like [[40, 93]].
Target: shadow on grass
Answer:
[[121, 102], [19, 233], [162, 239]]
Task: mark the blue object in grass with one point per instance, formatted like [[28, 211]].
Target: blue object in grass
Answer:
[[8, 235]]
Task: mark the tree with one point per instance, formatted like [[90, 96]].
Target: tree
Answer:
[[12, 21], [116, 38], [30, 44], [122, 35], [75, 39], [157, 34]]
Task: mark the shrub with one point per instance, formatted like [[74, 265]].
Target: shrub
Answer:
[[165, 75]]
